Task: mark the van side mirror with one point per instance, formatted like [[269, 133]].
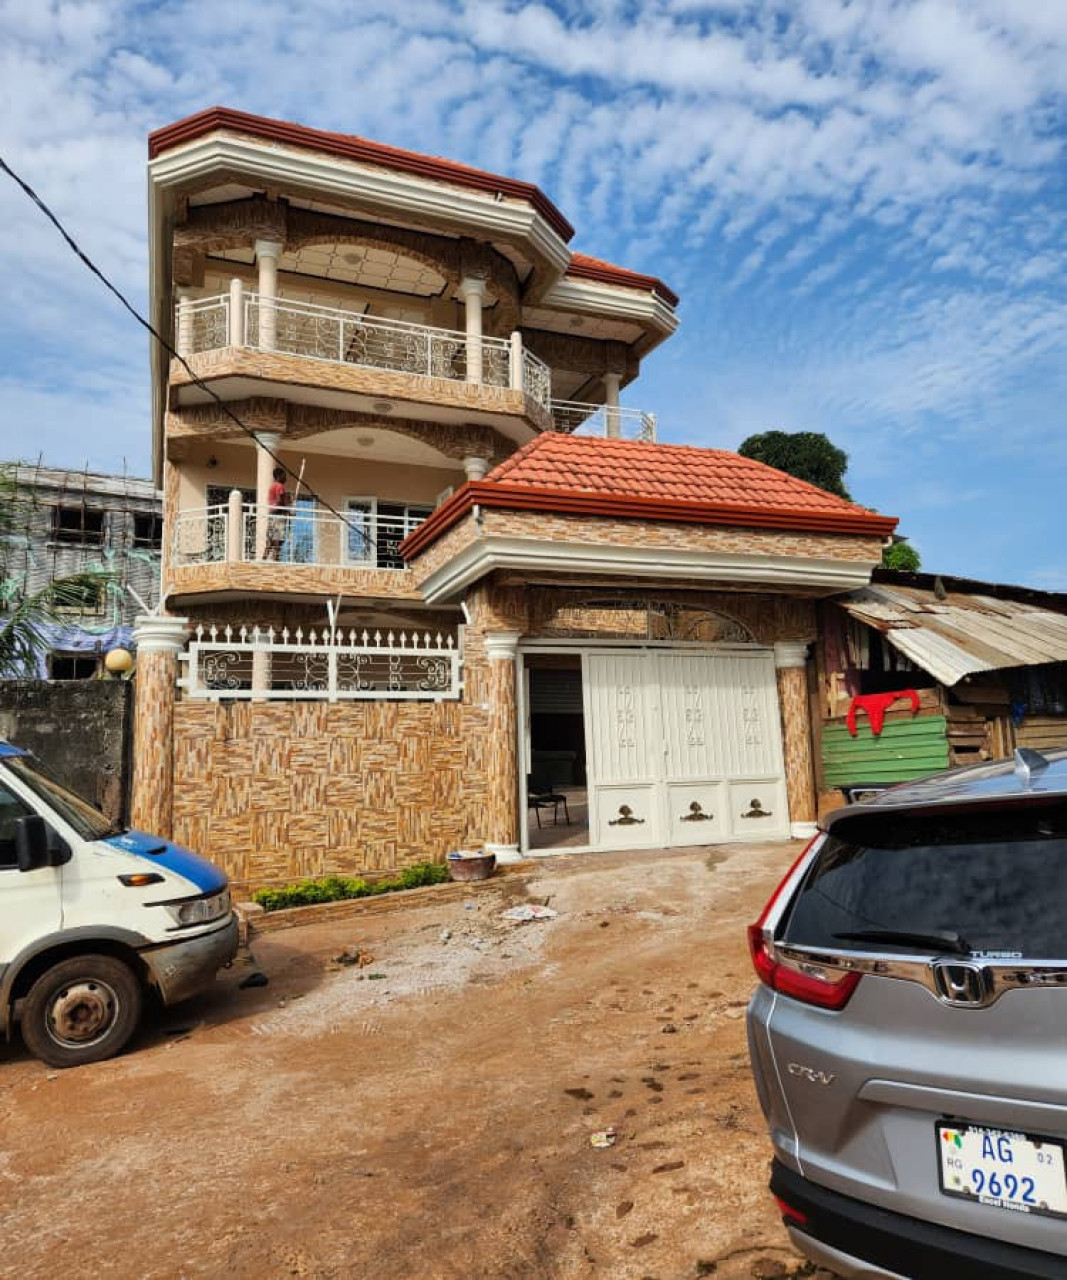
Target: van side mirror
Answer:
[[36, 846]]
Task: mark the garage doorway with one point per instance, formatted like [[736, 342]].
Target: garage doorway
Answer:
[[671, 745], [556, 791]]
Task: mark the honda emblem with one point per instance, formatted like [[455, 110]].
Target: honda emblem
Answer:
[[961, 984]]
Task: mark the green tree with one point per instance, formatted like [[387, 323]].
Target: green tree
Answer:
[[808, 455], [26, 620], [901, 555]]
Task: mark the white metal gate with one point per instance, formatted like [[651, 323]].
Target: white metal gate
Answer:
[[684, 747]]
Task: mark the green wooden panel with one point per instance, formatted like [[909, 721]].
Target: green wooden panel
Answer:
[[905, 749]]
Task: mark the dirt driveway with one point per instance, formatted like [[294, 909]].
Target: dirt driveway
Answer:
[[429, 1114]]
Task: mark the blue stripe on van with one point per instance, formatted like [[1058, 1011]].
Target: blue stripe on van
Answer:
[[172, 857]]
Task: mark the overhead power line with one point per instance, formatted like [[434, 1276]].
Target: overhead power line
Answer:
[[197, 380]]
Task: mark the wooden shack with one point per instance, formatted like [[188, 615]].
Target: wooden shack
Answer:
[[987, 665]]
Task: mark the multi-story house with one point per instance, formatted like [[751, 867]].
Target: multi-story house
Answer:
[[482, 583], [74, 522]]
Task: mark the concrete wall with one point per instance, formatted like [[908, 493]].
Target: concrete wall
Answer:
[[78, 729]]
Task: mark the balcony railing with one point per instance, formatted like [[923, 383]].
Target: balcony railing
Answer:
[[348, 337], [602, 420], [291, 536]]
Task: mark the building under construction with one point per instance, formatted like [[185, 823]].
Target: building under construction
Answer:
[[71, 522]]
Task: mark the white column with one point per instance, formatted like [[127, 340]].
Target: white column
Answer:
[[476, 468], [184, 335], [472, 292], [235, 534], [265, 465], [267, 254], [237, 313], [515, 372], [611, 400]]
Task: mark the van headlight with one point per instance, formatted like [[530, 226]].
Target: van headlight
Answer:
[[200, 910]]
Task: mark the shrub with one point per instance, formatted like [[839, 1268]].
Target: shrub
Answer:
[[336, 888]]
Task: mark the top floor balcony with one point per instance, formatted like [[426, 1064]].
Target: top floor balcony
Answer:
[[471, 363], [613, 422]]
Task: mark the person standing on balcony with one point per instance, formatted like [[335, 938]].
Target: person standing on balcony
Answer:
[[277, 514]]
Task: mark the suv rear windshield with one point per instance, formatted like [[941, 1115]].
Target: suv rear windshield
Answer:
[[997, 881]]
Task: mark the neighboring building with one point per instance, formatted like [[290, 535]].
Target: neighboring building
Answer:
[[977, 669], [73, 522], [493, 585]]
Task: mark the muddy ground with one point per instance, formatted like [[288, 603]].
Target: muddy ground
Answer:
[[429, 1112]]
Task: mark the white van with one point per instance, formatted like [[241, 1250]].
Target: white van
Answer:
[[91, 915]]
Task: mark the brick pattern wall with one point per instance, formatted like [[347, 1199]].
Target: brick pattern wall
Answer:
[[796, 743]]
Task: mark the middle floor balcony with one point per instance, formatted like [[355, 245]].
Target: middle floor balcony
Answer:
[[303, 550], [246, 343]]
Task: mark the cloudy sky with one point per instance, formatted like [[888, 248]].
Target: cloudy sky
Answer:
[[862, 205]]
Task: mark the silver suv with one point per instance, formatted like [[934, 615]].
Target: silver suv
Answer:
[[909, 1036]]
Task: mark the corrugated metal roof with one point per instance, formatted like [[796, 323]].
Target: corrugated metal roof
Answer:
[[960, 634]]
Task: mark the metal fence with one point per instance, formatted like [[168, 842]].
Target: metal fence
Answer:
[[253, 663]]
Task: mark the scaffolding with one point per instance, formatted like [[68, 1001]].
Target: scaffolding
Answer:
[[65, 522]]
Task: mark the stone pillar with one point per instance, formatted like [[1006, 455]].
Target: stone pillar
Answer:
[[236, 336], [472, 292], [476, 468], [265, 464], [502, 807], [159, 641], [267, 254], [790, 660], [611, 401], [184, 335]]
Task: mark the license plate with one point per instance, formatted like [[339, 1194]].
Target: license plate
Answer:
[[1003, 1169]]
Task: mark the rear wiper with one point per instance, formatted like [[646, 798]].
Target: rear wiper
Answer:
[[938, 941]]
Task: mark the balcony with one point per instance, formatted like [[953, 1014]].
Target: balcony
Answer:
[[296, 550], [462, 368], [608, 421]]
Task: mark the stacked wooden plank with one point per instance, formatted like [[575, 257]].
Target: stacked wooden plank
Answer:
[[909, 746]]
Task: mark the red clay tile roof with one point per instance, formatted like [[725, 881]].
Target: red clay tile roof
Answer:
[[583, 267], [584, 475]]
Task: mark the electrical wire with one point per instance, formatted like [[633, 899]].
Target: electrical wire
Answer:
[[196, 379]]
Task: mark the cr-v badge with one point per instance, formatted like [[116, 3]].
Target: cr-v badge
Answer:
[[809, 1073]]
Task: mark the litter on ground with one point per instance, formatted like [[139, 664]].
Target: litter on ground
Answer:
[[603, 1138], [528, 911]]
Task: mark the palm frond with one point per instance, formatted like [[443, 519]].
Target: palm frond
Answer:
[[25, 628]]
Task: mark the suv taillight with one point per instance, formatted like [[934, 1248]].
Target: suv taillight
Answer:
[[828, 989]]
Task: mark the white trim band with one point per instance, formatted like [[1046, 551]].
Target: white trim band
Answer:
[[496, 552]]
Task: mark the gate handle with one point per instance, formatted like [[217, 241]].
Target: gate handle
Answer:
[[756, 810]]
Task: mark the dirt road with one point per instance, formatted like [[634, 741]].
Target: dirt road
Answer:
[[429, 1114]]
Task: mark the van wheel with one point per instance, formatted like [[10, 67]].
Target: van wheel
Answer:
[[81, 1010]]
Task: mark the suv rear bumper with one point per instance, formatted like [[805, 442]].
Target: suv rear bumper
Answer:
[[861, 1240]]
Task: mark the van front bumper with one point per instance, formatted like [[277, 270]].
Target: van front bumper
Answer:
[[182, 968]]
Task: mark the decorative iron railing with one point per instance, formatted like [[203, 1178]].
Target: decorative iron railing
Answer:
[[349, 337], [602, 420], [360, 538], [253, 663]]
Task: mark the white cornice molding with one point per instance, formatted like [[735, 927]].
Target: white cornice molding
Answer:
[[491, 553], [502, 646], [380, 188], [590, 297]]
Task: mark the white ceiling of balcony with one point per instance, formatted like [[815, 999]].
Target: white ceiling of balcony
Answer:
[[376, 445], [582, 326], [355, 264]]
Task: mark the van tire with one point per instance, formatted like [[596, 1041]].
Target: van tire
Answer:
[[83, 1009]]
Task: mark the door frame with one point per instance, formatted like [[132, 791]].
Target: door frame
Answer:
[[582, 648]]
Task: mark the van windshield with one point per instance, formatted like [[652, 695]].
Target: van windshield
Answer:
[[992, 884], [86, 820]]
